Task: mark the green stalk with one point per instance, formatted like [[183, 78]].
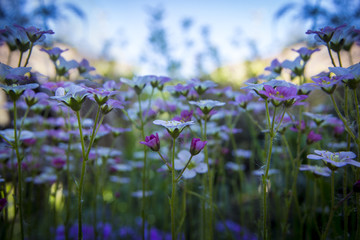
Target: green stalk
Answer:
[[80, 189], [173, 192], [67, 218], [54, 195], [358, 158], [149, 105], [19, 160], [331, 57], [182, 171], [346, 110], [21, 55], [339, 58], [266, 173], [323, 237], [23, 120], [343, 120], [28, 57], [143, 172]]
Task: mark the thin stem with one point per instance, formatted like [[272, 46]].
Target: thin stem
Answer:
[[23, 121], [267, 113], [19, 160], [149, 105], [254, 121], [21, 55], [173, 194], [343, 119], [323, 237], [182, 171], [28, 57], [339, 58], [331, 57], [93, 133], [143, 171], [357, 113], [80, 190], [163, 159], [183, 210], [131, 120]]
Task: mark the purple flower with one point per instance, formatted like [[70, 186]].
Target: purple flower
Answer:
[[295, 66], [202, 86], [85, 67], [73, 98], [16, 91], [282, 94], [153, 142], [316, 170], [207, 105], [31, 98], [350, 76], [63, 66], [185, 116], [6, 71], [138, 83], [110, 105], [3, 203], [34, 34], [196, 146], [242, 100], [54, 53], [325, 34], [100, 95], [58, 163], [313, 137], [305, 53], [180, 89], [326, 83], [334, 160], [274, 67]]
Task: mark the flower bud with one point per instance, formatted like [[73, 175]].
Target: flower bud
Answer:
[[196, 146], [153, 142]]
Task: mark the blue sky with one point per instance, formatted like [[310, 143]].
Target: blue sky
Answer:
[[124, 24]]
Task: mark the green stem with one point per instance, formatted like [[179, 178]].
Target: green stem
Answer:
[[323, 237], [183, 210], [343, 120], [28, 57], [331, 57], [93, 133], [143, 171], [80, 189], [357, 113], [182, 171], [19, 160], [21, 55], [173, 192], [163, 159], [23, 121], [339, 58], [149, 105]]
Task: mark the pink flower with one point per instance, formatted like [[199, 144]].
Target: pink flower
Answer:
[[3, 203], [58, 163], [153, 142], [313, 137], [196, 146]]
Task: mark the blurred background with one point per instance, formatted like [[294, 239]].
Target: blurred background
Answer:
[[226, 41]]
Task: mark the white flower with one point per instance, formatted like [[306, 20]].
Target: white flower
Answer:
[[196, 165], [173, 127]]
